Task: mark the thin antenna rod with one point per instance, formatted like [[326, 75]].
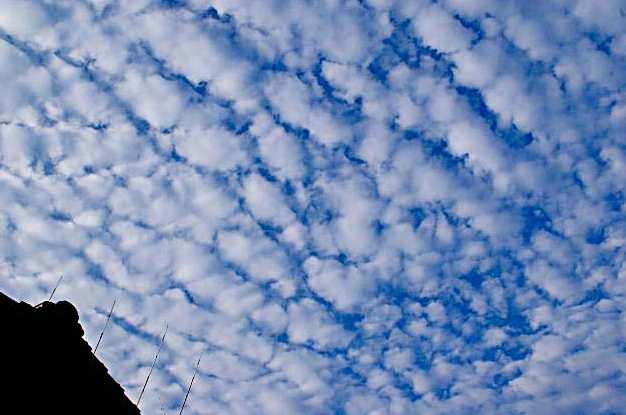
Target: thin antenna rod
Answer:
[[161, 403], [55, 288], [152, 367], [105, 327], [192, 379]]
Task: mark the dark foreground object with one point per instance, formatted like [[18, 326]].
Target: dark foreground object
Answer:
[[46, 367]]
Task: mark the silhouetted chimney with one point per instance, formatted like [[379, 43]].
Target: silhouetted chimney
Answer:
[[48, 368]]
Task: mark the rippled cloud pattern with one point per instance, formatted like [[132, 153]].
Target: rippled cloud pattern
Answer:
[[379, 207]]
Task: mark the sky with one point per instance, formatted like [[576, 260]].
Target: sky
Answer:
[[353, 207]]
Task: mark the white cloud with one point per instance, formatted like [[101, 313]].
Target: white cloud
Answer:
[[291, 99], [213, 148], [281, 151], [353, 203], [330, 280], [440, 30], [24, 18], [257, 255], [310, 323], [266, 201], [158, 101]]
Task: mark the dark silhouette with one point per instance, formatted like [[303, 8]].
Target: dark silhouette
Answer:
[[47, 367]]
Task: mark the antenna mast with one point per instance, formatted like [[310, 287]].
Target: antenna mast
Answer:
[[152, 367], [161, 403], [105, 327], [55, 288], [192, 379]]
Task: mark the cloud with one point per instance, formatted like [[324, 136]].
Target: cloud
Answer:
[[359, 207], [440, 30]]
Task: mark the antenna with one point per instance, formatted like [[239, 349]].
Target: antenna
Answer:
[[55, 288], [105, 327], [192, 379], [152, 367], [161, 403]]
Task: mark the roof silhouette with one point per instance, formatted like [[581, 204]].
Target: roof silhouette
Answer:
[[47, 366]]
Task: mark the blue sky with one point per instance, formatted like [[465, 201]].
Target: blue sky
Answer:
[[360, 207]]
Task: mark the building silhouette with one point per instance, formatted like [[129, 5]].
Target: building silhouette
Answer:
[[47, 367]]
